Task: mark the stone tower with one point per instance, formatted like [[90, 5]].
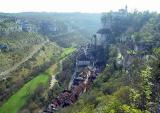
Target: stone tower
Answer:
[[104, 34]]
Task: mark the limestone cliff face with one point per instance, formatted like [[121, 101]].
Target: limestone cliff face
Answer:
[[13, 24]]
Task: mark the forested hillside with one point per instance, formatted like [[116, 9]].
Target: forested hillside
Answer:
[[16, 43], [33, 50], [130, 81]]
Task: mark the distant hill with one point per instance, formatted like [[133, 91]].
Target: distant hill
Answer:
[[53, 24]]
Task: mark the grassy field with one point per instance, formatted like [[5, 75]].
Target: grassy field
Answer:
[[67, 51], [19, 99]]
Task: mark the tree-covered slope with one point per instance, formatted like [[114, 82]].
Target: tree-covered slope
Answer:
[[130, 81], [19, 46]]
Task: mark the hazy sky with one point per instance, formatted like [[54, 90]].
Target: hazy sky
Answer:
[[77, 5]]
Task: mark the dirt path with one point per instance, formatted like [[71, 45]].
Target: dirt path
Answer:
[[53, 79]]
